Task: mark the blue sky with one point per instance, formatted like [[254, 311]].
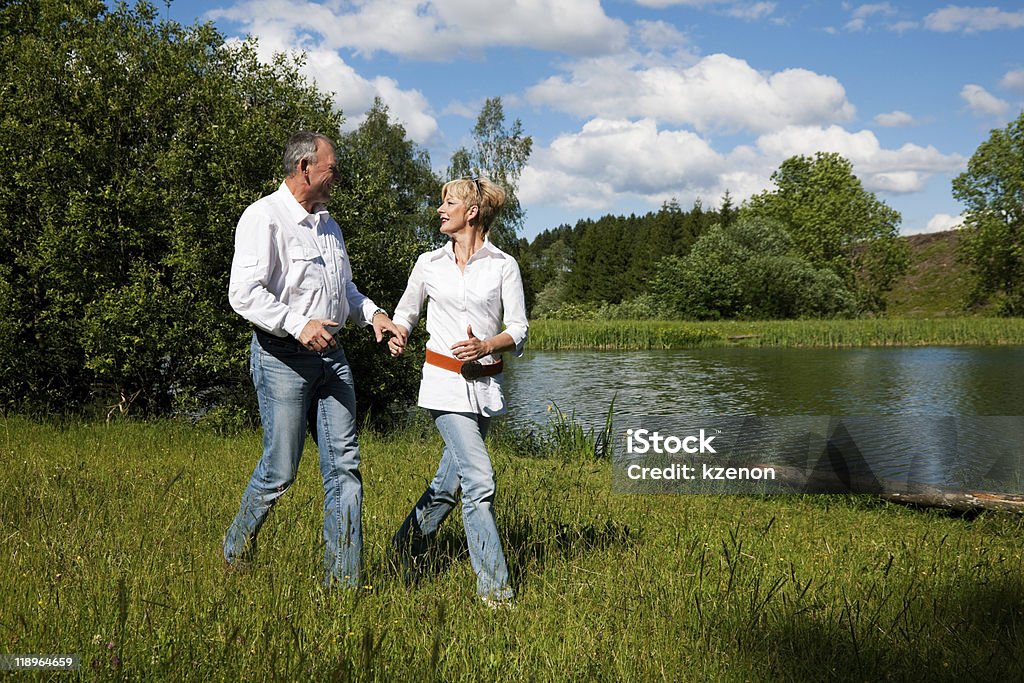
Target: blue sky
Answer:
[[634, 102]]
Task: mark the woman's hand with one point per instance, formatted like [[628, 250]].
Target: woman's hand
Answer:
[[472, 348], [396, 344]]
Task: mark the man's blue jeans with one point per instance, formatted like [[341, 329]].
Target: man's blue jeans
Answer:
[[294, 385], [464, 464]]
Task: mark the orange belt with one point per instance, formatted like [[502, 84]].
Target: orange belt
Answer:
[[470, 369]]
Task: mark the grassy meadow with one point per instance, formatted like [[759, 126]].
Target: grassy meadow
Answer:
[[111, 550], [635, 335]]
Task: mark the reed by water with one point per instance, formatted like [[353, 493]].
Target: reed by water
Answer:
[[111, 550], [629, 335]]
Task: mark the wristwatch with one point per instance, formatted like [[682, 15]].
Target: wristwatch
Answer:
[[374, 314]]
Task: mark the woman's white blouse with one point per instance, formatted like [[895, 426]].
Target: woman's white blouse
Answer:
[[487, 295]]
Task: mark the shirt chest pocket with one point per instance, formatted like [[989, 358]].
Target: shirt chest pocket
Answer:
[[485, 294], [305, 268]]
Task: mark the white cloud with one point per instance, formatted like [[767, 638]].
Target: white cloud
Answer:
[[740, 10], [902, 26], [870, 10], [409, 107], [436, 29], [660, 36], [895, 171], [861, 18], [609, 158], [862, 13], [659, 4], [352, 93], [717, 93], [972, 19], [895, 119], [940, 222], [895, 182], [433, 30], [983, 103], [1013, 81], [464, 109], [753, 12], [613, 160]]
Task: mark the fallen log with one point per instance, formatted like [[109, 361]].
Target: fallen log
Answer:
[[959, 501], [826, 480]]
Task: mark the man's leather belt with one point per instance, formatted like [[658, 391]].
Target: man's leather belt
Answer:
[[470, 369], [287, 342], [266, 337]]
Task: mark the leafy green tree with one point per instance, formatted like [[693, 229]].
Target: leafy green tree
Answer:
[[747, 269], [137, 144], [131, 147], [992, 188], [500, 154], [836, 224]]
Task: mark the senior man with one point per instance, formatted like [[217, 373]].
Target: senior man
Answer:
[[292, 279]]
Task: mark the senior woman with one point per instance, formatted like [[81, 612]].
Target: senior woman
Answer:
[[475, 312]]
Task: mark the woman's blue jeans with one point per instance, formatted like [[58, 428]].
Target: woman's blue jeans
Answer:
[[295, 386], [464, 465]]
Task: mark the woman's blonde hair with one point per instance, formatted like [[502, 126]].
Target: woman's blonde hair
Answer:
[[479, 192]]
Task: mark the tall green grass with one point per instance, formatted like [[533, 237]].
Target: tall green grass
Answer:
[[111, 549], [629, 335]]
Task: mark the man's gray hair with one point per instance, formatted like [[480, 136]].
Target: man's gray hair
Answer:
[[302, 145]]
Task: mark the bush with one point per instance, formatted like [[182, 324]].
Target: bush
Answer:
[[748, 270]]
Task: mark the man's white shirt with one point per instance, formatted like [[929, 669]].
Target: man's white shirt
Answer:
[[290, 267]]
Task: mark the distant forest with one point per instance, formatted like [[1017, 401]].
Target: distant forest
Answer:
[[610, 260], [817, 246]]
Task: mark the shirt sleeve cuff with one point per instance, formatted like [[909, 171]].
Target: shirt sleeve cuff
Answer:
[[518, 335], [404, 322], [368, 309], [294, 323]]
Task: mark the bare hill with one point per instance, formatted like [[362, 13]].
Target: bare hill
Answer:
[[936, 283]]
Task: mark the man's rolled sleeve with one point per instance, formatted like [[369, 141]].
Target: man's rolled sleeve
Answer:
[[294, 323]]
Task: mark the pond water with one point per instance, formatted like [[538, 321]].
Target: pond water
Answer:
[[917, 385], [872, 381]]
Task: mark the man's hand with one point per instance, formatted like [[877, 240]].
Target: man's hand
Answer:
[[382, 323], [316, 337]]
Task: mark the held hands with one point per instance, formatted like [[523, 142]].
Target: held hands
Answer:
[[472, 348], [316, 337], [396, 344], [382, 323]]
